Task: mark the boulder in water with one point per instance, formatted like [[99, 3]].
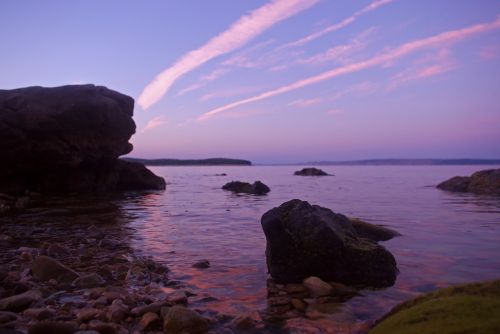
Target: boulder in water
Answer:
[[308, 240], [257, 188], [311, 172], [482, 182]]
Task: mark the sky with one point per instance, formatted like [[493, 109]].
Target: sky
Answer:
[[275, 81]]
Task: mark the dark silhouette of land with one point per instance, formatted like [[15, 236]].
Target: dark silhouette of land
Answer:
[[190, 162], [403, 162]]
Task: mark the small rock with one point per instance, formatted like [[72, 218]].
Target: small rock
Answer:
[[317, 287], [117, 312], [246, 321], [57, 251], [182, 320], [53, 327], [7, 316], [153, 307], [202, 264], [39, 313], [299, 304], [88, 281], [26, 257], [102, 327], [20, 302], [177, 297], [44, 268], [86, 314], [148, 320]]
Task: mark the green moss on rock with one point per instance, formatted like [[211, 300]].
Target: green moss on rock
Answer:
[[472, 308]]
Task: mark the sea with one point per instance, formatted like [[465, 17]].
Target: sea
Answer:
[[446, 238]]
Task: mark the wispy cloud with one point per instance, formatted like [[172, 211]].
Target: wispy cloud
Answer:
[[334, 111], [341, 53], [337, 26], [426, 67], [489, 52], [302, 103], [228, 93], [238, 34], [204, 80], [442, 39], [154, 123]]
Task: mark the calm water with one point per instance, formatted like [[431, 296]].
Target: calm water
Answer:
[[447, 238]]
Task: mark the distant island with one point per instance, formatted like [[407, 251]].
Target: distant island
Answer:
[[404, 162], [190, 162]]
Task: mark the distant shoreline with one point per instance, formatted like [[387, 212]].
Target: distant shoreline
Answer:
[[191, 162], [365, 162], [398, 162]]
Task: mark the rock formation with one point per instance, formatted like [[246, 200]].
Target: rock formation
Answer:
[[257, 188], [68, 139], [483, 182], [308, 240], [310, 172]]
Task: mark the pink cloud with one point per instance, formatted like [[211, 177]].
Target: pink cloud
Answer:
[[204, 80], [238, 34], [154, 123], [445, 38], [427, 67], [340, 53], [337, 26], [489, 52], [303, 103], [334, 111]]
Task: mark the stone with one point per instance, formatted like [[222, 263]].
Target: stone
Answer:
[[6, 316], [154, 307], [317, 287], [202, 264], [177, 297], [57, 251], [88, 281], [68, 139], [102, 327], [371, 231], [53, 327], [486, 182], [45, 268], [257, 188], [308, 240], [182, 320], [41, 313], [117, 312], [310, 172], [148, 320], [21, 301], [299, 304], [87, 314], [246, 321]]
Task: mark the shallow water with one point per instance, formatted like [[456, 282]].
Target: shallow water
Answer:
[[447, 238]]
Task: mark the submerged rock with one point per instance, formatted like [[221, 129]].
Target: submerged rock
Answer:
[[308, 240], [257, 188], [371, 231], [471, 308], [481, 182], [310, 172], [68, 139], [202, 264]]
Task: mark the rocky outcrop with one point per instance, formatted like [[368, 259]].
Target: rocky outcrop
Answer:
[[308, 240], [310, 172], [68, 139], [257, 188], [482, 182]]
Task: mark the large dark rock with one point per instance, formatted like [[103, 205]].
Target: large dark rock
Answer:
[[257, 188], [371, 231], [482, 182], [68, 139], [308, 240], [310, 172]]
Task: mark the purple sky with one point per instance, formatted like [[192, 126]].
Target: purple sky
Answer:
[[278, 80]]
